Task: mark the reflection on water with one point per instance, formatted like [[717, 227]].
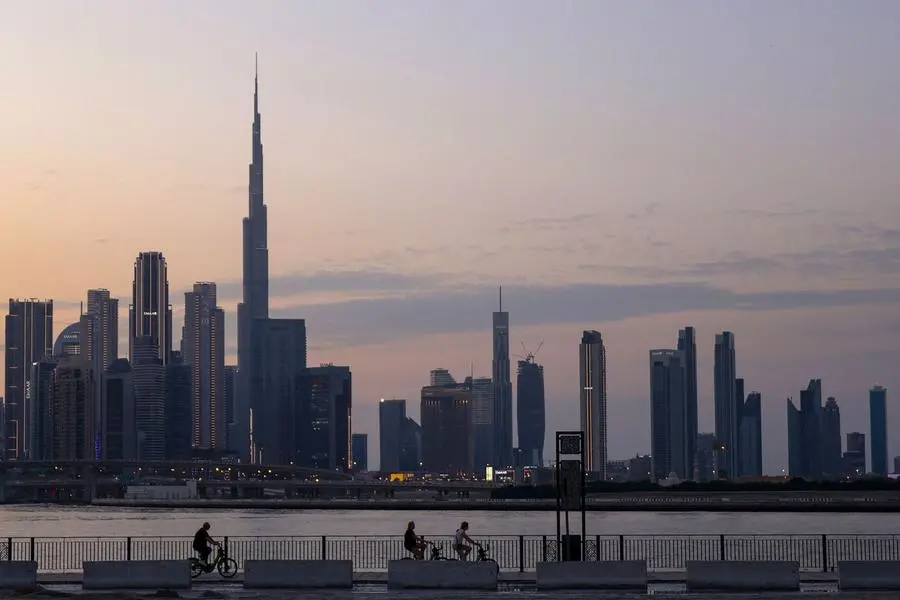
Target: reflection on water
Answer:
[[40, 521]]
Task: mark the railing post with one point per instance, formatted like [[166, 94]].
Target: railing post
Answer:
[[9, 548], [544, 548], [722, 546], [31, 550], [324, 549], [128, 548], [521, 554], [621, 547], [824, 553]]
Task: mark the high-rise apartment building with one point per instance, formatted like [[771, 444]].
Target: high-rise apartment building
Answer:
[[502, 406], [482, 427], [322, 438], [359, 444], [29, 338], [530, 412], [148, 375], [118, 430], [447, 441], [687, 345], [855, 456], [73, 410], [750, 436], [203, 348], [39, 397], [878, 430], [669, 448], [726, 403], [150, 314], [391, 416], [831, 456], [253, 310], [179, 409], [592, 386], [100, 339]]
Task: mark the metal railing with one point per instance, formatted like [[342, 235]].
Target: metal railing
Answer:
[[512, 552]]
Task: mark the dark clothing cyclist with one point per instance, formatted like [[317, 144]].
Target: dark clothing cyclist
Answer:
[[414, 543], [202, 541]]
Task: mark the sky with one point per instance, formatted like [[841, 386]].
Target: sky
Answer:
[[630, 167]]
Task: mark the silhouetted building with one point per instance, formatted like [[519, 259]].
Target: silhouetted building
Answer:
[[149, 379], [832, 459], [592, 387], [687, 345], [878, 429], [323, 426], [705, 466], [203, 347], [229, 392], [39, 396], [482, 428], [855, 456], [795, 440], [447, 441], [359, 442], [73, 410], [178, 409], [441, 377], [150, 314], [102, 344], [811, 430], [411, 446], [68, 342], [750, 436], [530, 412], [668, 416], [726, 403], [897, 464], [118, 430], [391, 418], [29, 338], [253, 311], [502, 406]]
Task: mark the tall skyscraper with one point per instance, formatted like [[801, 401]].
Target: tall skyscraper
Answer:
[[359, 442], [29, 338], [502, 420], [103, 341], [687, 345], [592, 385], [726, 403], [150, 314], [229, 391], [855, 456], [254, 307], [203, 345], [811, 430], [831, 441], [73, 410], [323, 426], [878, 430], [669, 448], [391, 415], [148, 375], [441, 377], [530, 412], [795, 440], [447, 441], [39, 397], [118, 430], [68, 342], [179, 409], [482, 427], [750, 436], [410, 446]]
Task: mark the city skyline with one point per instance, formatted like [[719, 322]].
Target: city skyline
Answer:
[[818, 248]]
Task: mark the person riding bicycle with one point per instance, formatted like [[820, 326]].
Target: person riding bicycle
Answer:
[[460, 539], [414, 543], [202, 541]]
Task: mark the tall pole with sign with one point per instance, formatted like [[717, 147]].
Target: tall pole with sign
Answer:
[[570, 495]]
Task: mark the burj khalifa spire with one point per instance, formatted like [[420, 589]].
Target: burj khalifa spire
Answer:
[[255, 304]]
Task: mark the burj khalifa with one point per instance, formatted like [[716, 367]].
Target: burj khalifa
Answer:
[[254, 308]]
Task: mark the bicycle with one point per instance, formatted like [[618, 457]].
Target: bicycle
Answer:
[[227, 567], [483, 555], [437, 553]]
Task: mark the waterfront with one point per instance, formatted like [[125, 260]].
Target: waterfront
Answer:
[[56, 521]]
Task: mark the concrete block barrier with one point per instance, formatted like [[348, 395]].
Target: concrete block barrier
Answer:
[[137, 575], [442, 575], [598, 575], [763, 575], [298, 574], [869, 575], [18, 574]]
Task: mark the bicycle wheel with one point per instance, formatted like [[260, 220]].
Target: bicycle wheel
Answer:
[[228, 568], [196, 568]]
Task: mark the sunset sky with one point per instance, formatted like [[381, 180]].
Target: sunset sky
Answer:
[[631, 167]]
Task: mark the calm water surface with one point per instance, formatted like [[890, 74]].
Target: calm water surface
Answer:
[[40, 521]]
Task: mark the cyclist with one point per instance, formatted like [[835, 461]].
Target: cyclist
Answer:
[[460, 539], [413, 543], [202, 541]]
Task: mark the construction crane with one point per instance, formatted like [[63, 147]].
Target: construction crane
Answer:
[[529, 356]]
